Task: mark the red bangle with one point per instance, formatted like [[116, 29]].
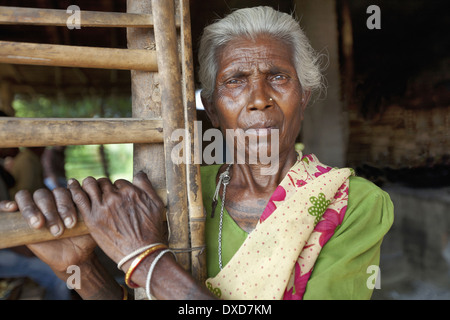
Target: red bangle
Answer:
[[137, 261]]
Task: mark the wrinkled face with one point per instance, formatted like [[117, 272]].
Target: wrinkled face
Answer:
[[257, 88]]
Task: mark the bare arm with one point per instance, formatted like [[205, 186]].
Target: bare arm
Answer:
[[59, 254], [123, 217]]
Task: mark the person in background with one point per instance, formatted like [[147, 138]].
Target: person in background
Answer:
[[23, 169], [27, 170], [53, 160]]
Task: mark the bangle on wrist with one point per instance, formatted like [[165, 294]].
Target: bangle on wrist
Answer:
[[124, 292], [134, 254], [152, 267], [137, 261]]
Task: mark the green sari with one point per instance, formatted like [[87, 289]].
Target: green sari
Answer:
[[341, 270]]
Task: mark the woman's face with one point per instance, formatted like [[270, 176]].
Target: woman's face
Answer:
[[257, 88]]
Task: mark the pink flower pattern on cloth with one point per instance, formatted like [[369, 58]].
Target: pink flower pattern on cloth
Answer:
[[326, 227], [330, 221], [278, 195]]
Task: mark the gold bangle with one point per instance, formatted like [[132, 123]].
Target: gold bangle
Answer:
[[137, 261], [124, 292]]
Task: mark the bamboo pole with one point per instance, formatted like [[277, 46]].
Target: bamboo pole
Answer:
[[14, 230], [56, 17], [172, 106], [32, 132], [197, 218], [77, 56], [146, 103]]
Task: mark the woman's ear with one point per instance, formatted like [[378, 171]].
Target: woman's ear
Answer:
[[210, 112]]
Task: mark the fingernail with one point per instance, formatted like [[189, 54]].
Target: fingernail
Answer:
[[70, 181], [68, 222], [54, 230], [34, 221]]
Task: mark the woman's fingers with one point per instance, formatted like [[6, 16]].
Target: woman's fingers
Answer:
[[65, 207], [52, 209], [8, 206], [106, 186], [141, 181], [46, 203], [79, 197], [121, 183], [92, 188], [29, 210]]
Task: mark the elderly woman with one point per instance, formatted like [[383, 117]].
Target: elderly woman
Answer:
[[304, 231]]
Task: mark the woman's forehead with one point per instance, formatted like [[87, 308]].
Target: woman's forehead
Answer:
[[263, 53]]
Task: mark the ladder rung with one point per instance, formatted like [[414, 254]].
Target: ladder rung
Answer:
[[34, 132], [56, 17], [76, 56]]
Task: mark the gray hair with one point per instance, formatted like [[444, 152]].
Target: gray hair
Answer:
[[250, 23]]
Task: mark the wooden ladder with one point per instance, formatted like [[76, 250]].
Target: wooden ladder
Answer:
[[153, 56]]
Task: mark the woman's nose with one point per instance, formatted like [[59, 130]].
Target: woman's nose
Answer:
[[259, 98]]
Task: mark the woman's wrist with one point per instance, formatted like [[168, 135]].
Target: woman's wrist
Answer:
[[93, 282], [168, 279]]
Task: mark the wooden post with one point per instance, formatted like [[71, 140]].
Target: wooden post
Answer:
[[197, 218], [172, 106], [146, 103]]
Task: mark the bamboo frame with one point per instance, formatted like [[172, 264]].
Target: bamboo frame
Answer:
[[153, 120], [32, 132], [145, 103], [77, 56], [197, 217], [14, 230], [171, 104], [56, 17]]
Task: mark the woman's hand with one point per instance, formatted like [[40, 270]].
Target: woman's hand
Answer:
[[121, 217], [55, 211]]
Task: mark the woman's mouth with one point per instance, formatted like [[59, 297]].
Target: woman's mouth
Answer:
[[265, 131]]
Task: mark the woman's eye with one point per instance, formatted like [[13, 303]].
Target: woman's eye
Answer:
[[233, 82], [279, 78]]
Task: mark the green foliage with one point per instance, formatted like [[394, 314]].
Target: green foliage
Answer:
[[86, 107], [84, 161]]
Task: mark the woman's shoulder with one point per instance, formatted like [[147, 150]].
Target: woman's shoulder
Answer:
[[368, 203], [361, 189]]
